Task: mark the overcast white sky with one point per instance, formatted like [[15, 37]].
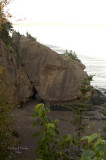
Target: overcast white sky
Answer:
[[79, 25]]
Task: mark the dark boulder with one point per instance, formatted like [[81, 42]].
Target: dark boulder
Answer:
[[97, 97]]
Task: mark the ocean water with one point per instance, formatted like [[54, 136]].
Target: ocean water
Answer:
[[97, 68], [94, 66]]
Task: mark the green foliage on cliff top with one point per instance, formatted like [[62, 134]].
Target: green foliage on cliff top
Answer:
[[69, 56], [30, 36], [4, 33]]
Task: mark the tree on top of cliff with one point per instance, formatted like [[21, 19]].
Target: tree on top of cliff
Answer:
[[30, 36], [69, 56], [4, 15], [4, 33], [5, 25]]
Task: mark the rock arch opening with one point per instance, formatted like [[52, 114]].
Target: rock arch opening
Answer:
[[36, 95]]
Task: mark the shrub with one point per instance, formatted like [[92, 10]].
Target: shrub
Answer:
[[30, 37], [94, 147], [52, 146], [103, 112], [49, 146], [4, 33], [70, 56], [6, 120]]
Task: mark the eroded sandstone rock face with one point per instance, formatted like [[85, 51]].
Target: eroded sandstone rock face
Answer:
[[54, 78], [15, 74]]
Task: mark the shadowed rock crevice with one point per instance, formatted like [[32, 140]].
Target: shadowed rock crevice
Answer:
[[36, 95]]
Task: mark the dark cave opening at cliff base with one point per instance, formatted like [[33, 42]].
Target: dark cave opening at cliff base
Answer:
[[36, 95]]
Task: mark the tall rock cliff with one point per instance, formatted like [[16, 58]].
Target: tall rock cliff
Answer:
[[42, 69], [15, 74]]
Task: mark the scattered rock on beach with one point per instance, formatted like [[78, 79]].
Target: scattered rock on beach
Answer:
[[97, 97]]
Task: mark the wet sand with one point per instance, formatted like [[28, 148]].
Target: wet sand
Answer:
[[23, 126]]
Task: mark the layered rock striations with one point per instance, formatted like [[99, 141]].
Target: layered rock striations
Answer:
[[35, 67]]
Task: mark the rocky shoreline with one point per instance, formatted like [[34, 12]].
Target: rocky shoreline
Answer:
[[98, 96], [103, 91]]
